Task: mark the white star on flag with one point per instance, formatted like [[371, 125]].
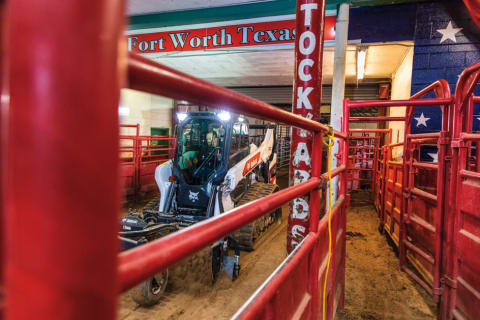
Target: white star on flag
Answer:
[[422, 120], [434, 156], [449, 33]]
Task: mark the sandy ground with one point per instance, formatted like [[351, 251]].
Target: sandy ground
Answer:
[[224, 297], [375, 286]]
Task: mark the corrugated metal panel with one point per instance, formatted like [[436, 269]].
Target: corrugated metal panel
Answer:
[[283, 94]]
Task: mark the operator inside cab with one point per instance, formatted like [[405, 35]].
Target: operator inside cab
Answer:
[[201, 147]]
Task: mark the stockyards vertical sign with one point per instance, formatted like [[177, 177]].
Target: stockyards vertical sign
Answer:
[[306, 102], [220, 35]]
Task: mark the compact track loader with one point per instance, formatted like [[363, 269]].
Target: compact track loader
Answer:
[[216, 167]]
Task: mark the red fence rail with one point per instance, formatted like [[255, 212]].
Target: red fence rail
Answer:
[[140, 263], [424, 201], [139, 157], [420, 213], [462, 233], [439, 215], [53, 271], [391, 207]]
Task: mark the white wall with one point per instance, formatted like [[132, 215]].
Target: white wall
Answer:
[[146, 109], [401, 87]]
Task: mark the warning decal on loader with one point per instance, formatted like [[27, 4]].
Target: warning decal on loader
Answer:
[[251, 163]]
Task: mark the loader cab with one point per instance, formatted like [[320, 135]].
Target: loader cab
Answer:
[[201, 151], [201, 160]]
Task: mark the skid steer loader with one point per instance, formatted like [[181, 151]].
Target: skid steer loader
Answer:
[[216, 166]]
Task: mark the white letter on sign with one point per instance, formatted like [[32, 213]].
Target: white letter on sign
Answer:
[[311, 43], [298, 231], [300, 176], [300, 209], [302, 97], [308, 7], [301, 69], [301, 154]]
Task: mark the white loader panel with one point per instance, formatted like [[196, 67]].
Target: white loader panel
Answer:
[[257, 155], [162, 174]]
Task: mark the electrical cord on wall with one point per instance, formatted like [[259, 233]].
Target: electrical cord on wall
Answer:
[[330, 145]]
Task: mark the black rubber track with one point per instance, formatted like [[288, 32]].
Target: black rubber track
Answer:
[[251, 233]]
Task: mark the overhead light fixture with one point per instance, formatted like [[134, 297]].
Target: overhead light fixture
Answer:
[[224, 116], [361, 60], [181, 116], [123, 111]]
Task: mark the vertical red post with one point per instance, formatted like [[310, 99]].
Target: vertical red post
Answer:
[[2, 135], [307, 93], [314, 219], [343, 191], [63, 187]]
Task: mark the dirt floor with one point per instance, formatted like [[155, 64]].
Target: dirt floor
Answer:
[[375, 286], [224, 297]]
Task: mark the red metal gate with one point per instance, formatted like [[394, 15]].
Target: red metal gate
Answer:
[[281, 296], [392, 201], [65, 270], [362, 161], [424, 187], [415, 211], [139, 157], [378, 180], [462, 245]]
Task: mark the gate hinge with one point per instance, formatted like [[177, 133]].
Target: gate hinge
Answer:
[[449, 282]]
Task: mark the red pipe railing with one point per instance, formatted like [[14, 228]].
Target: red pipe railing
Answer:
[[136, 159], [149, 76], [139, 263], [144, 261], [58, 175], [454, 302], [444, 100], [2, 106]]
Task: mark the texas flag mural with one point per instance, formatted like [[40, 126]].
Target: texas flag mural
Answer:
[[446, 41]]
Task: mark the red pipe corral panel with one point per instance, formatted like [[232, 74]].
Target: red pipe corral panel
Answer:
[[144, 261], [149, 76], [62, 208], [2, 136]]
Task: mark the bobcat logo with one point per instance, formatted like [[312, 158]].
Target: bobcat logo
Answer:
[[193, 196]]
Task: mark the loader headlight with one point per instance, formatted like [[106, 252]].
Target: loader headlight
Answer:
[[181, 116], [224, 115]]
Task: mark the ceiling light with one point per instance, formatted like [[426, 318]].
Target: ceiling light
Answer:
[[361, 60]]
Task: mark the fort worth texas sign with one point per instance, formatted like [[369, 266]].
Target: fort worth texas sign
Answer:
[[242, 35]]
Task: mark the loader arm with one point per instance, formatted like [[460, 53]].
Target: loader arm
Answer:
[[257, 155]]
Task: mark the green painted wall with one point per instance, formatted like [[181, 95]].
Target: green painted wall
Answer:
[[235, 12]]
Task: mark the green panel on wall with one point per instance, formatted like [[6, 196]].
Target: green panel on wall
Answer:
[[234, 12]]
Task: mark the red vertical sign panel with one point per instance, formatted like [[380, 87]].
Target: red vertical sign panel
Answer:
[[306, 102]]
